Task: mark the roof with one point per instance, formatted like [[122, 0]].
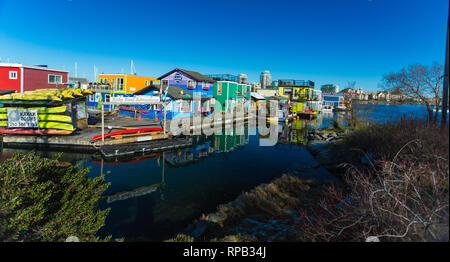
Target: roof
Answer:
[[117, 74], [32, 67], [6, 91], [146, 90], [257, 96], [176, 92], [195, 75], [78, 79]]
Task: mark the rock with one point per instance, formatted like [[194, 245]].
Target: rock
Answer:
[[372, 239], [72, 239], [317, 137]]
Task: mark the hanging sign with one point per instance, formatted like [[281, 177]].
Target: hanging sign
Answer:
[[22, 118]]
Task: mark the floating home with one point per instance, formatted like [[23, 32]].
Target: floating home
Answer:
[[283, 111], [21, 78], [229, 94], [333, 99], [301, 94], [116, 85], [193, 83], [179, 104]]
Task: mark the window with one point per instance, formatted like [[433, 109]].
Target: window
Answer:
[[219, 89], [91, 98], [191, 84], [287, 91], [164, 84], [107, 98], [12, 74], [119, 84], [54, 79], [185, 107], [146, 82], [205, 86]]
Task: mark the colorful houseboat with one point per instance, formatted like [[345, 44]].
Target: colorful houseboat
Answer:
[[193, 84], [229, 94], [301, 95], [283, 112], [116, 85]]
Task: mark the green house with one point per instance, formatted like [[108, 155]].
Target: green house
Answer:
[[230, 94]]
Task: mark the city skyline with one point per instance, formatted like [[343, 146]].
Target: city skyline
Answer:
[[347, 42]]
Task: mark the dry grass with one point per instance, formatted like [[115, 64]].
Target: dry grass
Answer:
[[402, 196]]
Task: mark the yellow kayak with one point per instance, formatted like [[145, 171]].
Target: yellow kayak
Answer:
[[54, 125], [41, 110], [46, 117], [19, 96]]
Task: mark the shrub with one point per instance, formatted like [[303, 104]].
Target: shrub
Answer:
[[42, 201], [401, 199]]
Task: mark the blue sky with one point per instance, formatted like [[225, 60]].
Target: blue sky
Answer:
[[326, 41]]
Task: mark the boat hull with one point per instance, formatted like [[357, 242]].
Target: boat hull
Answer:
[[128, 132]]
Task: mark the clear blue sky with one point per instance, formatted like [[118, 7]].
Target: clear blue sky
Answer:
[[326, 41]]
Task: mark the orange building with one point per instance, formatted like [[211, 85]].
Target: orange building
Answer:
[[128, 84]]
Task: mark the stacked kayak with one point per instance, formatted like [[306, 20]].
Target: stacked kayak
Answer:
[[41, 111], [48, 118], [47, 94]]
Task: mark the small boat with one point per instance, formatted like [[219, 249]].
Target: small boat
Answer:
[[129, 132], [23, 131]]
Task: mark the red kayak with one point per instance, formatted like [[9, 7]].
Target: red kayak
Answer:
[[129, 131], [42, 131]]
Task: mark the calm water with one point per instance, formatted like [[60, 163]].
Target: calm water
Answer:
[[155, 196]]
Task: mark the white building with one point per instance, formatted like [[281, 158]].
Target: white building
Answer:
[[265, 79], [242, 79], [330, 88]]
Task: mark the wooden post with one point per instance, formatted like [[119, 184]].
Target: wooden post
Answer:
[[103, 122], [165, 110]]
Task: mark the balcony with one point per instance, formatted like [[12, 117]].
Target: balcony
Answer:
[[224, 77], [104, 87], [299, 83]]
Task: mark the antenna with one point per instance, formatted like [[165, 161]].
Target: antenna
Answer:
[[133, 69], [95, 73]]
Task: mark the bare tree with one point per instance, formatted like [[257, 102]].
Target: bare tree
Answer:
[[419, 82]]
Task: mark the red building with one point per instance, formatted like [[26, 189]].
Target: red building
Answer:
[[20, 78]]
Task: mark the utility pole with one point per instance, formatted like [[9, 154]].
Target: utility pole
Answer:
[[445, 89]]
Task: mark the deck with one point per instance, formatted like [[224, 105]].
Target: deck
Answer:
[[80, 140]]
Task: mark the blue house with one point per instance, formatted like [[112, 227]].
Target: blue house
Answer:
[[179, 104], [192, 83], [333, 99]]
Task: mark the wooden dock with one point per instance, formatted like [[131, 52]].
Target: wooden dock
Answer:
[[80, 140]]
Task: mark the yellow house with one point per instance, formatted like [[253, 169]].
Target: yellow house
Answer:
[[125, 83], [299, 93]]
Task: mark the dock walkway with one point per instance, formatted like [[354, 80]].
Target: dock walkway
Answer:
[[80, 140]]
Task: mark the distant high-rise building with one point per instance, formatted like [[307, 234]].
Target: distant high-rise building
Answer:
[[242, 78], [265, 79], [330, 88]]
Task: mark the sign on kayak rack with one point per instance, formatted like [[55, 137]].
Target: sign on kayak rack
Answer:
[[22, 118]]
